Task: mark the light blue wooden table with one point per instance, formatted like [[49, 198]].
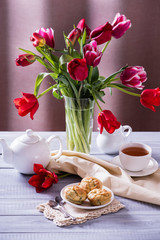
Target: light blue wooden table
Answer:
[[19, 219]]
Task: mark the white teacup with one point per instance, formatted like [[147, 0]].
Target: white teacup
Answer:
[[135, 156], [111, 143]]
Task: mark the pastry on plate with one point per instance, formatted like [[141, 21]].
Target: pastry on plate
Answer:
[[99, 196], [75, 194], [90, 183]]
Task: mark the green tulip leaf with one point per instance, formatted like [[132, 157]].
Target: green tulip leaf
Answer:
[[65, 59], [95, 74], [39, 80]]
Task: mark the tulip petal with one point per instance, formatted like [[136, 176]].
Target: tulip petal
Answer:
[[34, 110], [39, 189], [36, 181], [102, 33], [37, 167], [47, 183]]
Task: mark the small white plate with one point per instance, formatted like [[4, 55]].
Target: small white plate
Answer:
[[86, 203], [151, 168]]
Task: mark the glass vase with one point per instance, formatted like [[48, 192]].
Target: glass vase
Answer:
[[79, 123]]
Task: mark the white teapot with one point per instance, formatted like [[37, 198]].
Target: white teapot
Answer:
[[27, 150], [111, 143]]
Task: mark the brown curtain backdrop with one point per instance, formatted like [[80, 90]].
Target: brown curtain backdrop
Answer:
[[140, 46]]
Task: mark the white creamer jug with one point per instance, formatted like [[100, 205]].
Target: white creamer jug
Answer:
[[111, 143]]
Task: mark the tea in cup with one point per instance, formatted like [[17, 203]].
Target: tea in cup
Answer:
[[135, 156]]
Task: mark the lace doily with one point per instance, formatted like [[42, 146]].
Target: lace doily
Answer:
[[81, 215]]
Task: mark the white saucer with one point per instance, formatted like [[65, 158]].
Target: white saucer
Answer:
[[151, 168], [86, 204]]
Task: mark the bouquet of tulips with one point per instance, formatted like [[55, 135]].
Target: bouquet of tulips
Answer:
[[75, 75]]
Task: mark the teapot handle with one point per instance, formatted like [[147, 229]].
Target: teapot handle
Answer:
[[60, 148], [126, 127]]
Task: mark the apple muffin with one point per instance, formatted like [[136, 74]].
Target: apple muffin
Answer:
[[90, 183], [75, 194], [99, 196]]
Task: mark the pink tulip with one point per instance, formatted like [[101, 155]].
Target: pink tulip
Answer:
[[78, 69], [134, 77], [102, 33], [73, 36], [48, 35], [25, 60], [107, 120], [38, 40], [82, 25], [92, 54], [120, 25]]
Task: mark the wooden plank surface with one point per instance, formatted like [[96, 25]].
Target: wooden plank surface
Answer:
[[20, 220]]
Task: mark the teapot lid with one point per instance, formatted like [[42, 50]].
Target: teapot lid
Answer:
[[29, 137]]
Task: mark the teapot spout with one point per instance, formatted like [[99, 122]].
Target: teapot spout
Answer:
[[7, 152]]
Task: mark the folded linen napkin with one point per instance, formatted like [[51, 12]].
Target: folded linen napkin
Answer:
[[146, 189], [81, 215]]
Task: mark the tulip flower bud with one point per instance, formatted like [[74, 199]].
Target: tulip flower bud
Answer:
[[134, 77], [107, 120], [120, 25], [150, 98], [73, 36], [38, 40], [78, 69], [102, 34], [25, 60], [92, 54]]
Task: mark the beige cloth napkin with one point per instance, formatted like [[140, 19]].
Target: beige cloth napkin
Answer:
[[146, 189], [81, 215]]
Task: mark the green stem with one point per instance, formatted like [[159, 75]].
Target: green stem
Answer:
[[105, 46], [123, 90], [64, 175], [47, 90], [114, 79], [79, 92], [90, 74], [48, 58], [95, 99]]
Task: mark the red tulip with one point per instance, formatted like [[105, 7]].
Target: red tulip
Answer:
[[134, 77], [78, 69], [48, 35], [92, 54], [73, 36], [38, 40], [44, 178], [82, 25], [25, 60], [102, 34], [150, 98], [107, 120], [27, 104], [120, 25]]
